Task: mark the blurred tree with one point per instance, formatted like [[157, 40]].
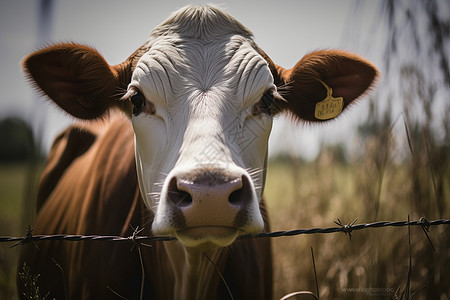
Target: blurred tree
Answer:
[[16, 141]]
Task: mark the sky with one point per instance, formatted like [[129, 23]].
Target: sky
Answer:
[[285, 29]]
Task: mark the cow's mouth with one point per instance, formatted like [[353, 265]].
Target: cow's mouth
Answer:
[[207, 236]]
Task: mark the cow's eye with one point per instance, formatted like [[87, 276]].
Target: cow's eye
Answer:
[[138, 101], [270, 104]]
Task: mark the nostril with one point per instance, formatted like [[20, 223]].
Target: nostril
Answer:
[[178, 197], [241, 196], [235, 197], [184, 199]]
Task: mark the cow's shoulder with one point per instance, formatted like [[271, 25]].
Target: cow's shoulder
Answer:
[[89, 186], [67, 147], [75, 143]]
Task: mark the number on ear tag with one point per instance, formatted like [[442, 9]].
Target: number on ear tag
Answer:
[[329, 107]]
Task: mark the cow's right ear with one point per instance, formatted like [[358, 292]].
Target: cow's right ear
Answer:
[[78, 79], [323, 84]]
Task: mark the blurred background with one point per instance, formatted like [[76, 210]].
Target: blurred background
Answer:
[[386, 158]]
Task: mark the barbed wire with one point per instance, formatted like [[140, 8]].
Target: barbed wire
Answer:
[[345, 228]]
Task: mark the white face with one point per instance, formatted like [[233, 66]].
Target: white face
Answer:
[[200, 151]]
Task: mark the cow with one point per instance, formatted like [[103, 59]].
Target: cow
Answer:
[[173, 142]]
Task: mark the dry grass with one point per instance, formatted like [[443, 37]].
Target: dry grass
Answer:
[[376, 261]]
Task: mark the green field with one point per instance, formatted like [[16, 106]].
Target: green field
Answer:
[[313, 195], [17, 182], [12, 183]]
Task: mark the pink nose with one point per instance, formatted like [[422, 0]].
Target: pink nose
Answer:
[[211, 199]]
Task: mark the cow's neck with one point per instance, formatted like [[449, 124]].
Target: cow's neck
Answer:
[[196, 277]]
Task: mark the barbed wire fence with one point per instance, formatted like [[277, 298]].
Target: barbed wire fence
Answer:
[[138, 240], [135, 238]]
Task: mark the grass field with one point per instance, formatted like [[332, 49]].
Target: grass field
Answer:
[[12, 183], [17, 181], [374, 263]]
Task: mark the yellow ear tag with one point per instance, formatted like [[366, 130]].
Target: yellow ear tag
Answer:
[[329, 107]]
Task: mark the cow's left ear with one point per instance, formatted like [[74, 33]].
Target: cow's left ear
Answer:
[[78, 79], [324, 83]]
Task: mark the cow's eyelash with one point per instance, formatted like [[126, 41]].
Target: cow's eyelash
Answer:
[[138, 100], [269, 104], [130, 92], [140, 103]]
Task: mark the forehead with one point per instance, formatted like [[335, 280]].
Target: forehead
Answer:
[[200, 49]]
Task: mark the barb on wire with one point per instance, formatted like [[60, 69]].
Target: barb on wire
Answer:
[[426, 228], [134, 237], [347, 229], [139, 239], [138, 245], [27, 238]]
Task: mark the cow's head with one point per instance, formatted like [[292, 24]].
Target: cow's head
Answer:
[[201, 97]]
